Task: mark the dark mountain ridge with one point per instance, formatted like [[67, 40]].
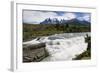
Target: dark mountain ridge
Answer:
[[63, 21]]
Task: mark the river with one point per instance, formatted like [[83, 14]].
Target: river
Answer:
[[62, 47]]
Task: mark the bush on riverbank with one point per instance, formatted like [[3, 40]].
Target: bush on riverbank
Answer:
[[86, 54]]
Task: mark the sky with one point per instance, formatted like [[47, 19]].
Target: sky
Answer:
[[35, 17]]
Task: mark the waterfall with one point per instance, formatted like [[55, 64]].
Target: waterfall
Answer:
[[66, 49], [62, 46]]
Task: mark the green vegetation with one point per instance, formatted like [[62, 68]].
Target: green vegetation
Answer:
[[37, 30], [86, 54]]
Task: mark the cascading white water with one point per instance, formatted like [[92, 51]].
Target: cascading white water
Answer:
[[66, 49], [62, 46]]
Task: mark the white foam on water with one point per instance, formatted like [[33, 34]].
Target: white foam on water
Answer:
[[65, 47], [34, 41]]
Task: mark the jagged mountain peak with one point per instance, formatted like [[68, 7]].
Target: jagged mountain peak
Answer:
[[52, 21]]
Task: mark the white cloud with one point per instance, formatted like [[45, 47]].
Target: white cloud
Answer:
[[36, 16], [86, 17], [69, 16], [39, 16]]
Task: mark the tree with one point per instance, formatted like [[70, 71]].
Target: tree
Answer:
[[66, 26], [57, 26]]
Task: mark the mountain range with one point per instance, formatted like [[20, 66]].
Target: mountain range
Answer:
[[63, 21]]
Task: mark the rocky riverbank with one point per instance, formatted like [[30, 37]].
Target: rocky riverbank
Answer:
[[34, 52]]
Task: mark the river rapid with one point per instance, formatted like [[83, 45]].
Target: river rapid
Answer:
[[62, 47]]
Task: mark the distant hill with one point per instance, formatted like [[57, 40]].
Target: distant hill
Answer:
[[78, 22]]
